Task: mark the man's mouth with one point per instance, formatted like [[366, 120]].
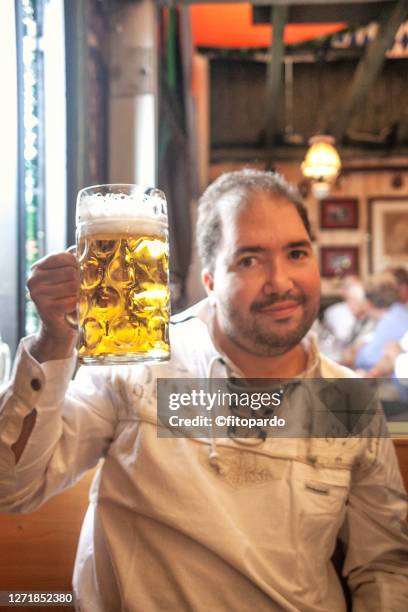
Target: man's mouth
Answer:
[[280, 310]]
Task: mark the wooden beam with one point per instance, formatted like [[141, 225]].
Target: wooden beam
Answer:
[[357, 14], [369, 66], [270, 2], [274, 72], [353, 159], [78, 170], [312, 2]]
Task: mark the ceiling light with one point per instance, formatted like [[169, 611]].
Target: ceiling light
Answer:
[[322, 164]]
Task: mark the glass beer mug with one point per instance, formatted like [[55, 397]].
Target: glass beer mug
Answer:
[[122, 250]]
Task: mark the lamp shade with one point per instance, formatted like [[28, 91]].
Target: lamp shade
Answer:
[[322, 162]]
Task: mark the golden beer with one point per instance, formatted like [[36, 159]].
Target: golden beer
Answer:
[[123, 309]]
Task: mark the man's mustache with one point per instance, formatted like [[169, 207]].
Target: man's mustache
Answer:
[[274, 299]]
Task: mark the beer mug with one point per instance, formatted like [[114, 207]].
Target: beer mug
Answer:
[[122, 250]]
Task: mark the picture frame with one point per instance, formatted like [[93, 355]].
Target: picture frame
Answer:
[[388, 229], [339, 213], [339, 261]]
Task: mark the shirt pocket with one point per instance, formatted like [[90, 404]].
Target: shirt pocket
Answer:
[[320, 490], [320, 499]]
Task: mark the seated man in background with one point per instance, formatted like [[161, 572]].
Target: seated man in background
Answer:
[[229, 524], [389, 292], [392, 363], [346, 325], [369, 306], [340, 318]]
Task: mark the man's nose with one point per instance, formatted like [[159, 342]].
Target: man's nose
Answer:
[[278, 279]]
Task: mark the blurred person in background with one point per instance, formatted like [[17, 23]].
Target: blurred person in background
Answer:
[[393, 365], [388, 292], [346, 324], [401, 276], [393, 361], [340, 318]]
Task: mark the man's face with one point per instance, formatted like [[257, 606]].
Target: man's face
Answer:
[[265, 284]]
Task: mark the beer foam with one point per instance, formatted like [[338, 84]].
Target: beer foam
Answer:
[[136, 213], [135, 226]]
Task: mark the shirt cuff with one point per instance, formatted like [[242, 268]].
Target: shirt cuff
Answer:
[[401, 368], [404, 342], [40, 385]]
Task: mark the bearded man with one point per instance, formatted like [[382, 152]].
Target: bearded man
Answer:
[[230, 524]]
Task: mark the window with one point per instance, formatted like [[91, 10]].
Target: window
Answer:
[[32, 151]]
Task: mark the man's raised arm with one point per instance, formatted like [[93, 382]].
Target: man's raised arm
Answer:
[[53, 286], [42, 419]]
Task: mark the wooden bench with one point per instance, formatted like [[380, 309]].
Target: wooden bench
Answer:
[[38, 549]]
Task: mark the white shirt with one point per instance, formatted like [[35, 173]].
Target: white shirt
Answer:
[[401, 362], [168, 528], [339, 319]]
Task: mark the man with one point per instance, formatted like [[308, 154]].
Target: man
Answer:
[[391, 294], [341, 318], [232, 524], [345, 323]]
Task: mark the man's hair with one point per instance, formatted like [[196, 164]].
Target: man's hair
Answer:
[[382, 290], [243, 183], [400, 274]]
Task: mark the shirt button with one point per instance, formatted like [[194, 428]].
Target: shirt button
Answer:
[[35, 384]]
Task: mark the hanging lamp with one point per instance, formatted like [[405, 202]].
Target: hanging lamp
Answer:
[[321, 164]]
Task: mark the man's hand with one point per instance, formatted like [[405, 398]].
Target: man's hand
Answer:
[[53, 287], [392, 350]]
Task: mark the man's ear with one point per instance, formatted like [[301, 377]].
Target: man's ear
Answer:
[[208, 281]]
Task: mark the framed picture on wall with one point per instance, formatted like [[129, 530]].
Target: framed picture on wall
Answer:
[[339, 261], [339, 213], [389, 233]]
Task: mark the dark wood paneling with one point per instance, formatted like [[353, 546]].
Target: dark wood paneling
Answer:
[[238, 112]]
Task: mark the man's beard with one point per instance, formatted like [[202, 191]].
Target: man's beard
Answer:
[[250, 334]]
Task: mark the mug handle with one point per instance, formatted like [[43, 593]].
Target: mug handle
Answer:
[[71, 318], [5, 362]]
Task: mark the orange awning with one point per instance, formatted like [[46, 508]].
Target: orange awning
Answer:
[[230, 25]]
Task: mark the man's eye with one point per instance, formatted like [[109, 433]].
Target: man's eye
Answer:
[[247, 262], [298, 254]]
